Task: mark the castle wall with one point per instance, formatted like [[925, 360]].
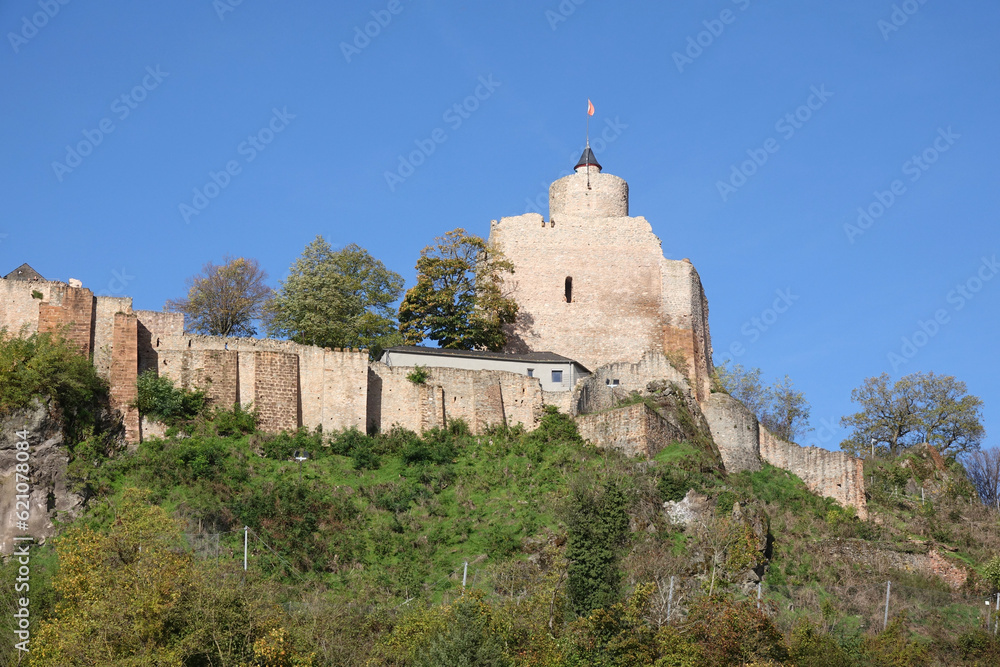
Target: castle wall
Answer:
[[832, 474], [18, 309], [636, 430], [685, 322], [597, 392], [736, 432], [331, 386], [481, 398], [154, 325], [105, 308], [122, 371], [614, 264], [276, 390], [69, 311]]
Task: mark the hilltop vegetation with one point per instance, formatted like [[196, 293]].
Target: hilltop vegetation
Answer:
[[357, 554]]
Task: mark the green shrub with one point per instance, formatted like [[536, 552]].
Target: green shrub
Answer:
[[598, 530], [555, 427], [673, 486], [418, 375], [158, 398], [43, 365]]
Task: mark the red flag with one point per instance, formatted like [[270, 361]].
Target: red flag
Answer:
[[590, 108]]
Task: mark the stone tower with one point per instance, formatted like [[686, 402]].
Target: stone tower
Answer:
[[593, 285]]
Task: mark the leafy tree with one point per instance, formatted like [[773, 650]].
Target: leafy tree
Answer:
[[459, 299], [44, 365], [337, 298], [226, 299], [598, 529], [780, 408], [917, 408]]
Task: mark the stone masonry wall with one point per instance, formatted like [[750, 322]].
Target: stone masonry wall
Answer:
[[736, 432], [154, 325], [276, 390], [18, 308], [481, 398], [637, 430], [69, 311], [332, 384], [123, 371], [594, 393], [105, 308], [614, 265], [832, 474], [685, 322]]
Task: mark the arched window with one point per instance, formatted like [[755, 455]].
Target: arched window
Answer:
[[569, 289]]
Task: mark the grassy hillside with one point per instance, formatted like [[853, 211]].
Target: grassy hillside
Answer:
[[357, 556]]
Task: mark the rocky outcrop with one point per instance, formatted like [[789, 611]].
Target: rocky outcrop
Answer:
[[49, 493]]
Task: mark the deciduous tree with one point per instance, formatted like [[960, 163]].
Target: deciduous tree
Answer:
[[780, 408], [337, 298], [917, 408], [459, 300], [226, 299]]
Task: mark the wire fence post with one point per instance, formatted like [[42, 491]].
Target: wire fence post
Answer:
[[670, 598], [996, 622], [759, 583], [465, 574], [885, 619], [245, 530]]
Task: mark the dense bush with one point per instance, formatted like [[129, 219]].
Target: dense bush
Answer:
[[43, 365], [159, 399]]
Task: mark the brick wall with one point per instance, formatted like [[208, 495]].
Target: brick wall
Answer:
[[637, 430], [481, 398], [832, 474], [736, 432], [69, 312], [276, 390], [123, 372]]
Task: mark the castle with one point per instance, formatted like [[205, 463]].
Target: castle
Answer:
[[601, 309]]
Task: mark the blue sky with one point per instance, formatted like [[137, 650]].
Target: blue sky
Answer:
[[164, 95]]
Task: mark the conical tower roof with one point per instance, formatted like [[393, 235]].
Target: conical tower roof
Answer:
[[588, 159]]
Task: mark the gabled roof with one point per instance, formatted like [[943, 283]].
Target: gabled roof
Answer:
[[539, 357], [24, 272]]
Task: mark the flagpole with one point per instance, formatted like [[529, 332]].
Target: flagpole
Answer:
[[588, 143]]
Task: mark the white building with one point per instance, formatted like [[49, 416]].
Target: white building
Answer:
[[555, 372]]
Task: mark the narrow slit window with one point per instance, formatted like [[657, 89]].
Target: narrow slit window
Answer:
[[569, 289]]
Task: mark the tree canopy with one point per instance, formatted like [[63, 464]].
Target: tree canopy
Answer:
[[459, 300], [917, 408], [226, 299], [780, 408], [337, 298]]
